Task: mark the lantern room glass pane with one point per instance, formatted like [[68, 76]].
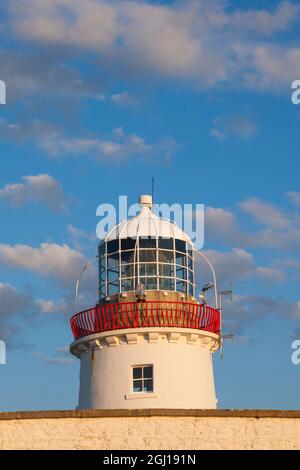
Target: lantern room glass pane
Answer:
[[127, 285], [180, 259], [147, 242], [128, 257], [113, 260], [128, 244], [165, 243], [166, 256], [180, 272], [166, 270], [180, 245], [148, 269], [150, 283], [166, 283], [127, 270], [112, 246], [112, 288], [113, 275], [102, 291], [147, 255], [101, 250], [181, 286]]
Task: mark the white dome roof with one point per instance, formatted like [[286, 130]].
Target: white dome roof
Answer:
[[147, 224]]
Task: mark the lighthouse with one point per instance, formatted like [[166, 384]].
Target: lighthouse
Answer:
[[148, 342]]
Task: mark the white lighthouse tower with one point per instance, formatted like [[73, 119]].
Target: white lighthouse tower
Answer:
[[148, 343]]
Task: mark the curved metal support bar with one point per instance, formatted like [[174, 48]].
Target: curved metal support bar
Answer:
[[214, 276], [79, 277]]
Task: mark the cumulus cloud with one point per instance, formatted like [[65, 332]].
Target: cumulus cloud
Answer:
[[273, 228], [48, 260], [265, 213], [118, 147], [41, 188], [16, 307], [232, 265], [205, 42]]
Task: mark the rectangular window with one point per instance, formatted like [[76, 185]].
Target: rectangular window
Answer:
[[142, 377]]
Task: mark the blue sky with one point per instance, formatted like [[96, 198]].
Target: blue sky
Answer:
[[101, 96]]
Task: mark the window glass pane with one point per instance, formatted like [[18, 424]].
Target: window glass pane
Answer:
[[128, 243], [181, 286], [165, 243], [148, 385], [127, 270], [137, 386], [148, 372], [147, 242], [148, 269], [166, 256], [190, 262], [113, 288], [191, 277], [112, 246], [113, 275], [102, 263], [128, 256], [127, 285], [102, 274], [180, 245], [102, 291], [180, 272], [113, 260], [147, 255], [137, 372], [101, 250], [180, 259], [150, 283], [191, 290], [166, 270], [166, 283]]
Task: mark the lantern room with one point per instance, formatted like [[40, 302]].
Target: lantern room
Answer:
[[146, 251]]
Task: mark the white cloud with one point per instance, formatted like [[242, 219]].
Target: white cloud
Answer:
[[265, 213], [57, 261], [205, 42], [41, 188], [270, 274], [233, 265], [223, 225], [16, 308], [118, 147], [91, 24]]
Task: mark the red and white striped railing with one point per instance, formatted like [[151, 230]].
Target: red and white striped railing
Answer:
[[124, 315]]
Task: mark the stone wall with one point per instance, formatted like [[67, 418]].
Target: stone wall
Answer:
[[150, 429]]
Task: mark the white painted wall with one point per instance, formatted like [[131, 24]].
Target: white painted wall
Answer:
[[182, 369]]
